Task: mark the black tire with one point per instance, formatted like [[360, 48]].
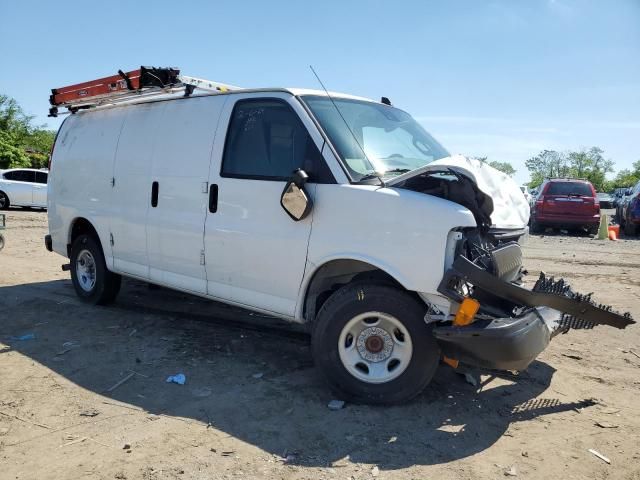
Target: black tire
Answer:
[[593, 230], [630, 229], [536, 227], [4, 201], [106, 285], [1, 241], [359, 298]]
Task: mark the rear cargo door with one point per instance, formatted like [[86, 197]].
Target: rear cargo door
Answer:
[[178, 189], [568, 199]]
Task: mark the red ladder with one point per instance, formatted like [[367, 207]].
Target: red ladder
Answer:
[[125, 86]]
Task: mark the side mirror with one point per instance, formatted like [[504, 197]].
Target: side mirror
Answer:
[[294, 199]]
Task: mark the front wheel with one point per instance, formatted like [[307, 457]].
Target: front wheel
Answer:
[[92, 281], [372, 344], [4, 201]]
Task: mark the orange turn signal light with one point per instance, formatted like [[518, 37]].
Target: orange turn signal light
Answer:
[[467, 311]]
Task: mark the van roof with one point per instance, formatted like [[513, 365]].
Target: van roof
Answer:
[[179, 94]]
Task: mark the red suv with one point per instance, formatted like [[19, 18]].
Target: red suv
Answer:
[[566, 203]]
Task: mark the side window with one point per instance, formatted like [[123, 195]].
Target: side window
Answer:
[[267, 141], [23, 176], [41, 177], [8, 176]]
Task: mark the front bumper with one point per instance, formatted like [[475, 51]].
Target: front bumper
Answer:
[[500, 343], [514, 324]]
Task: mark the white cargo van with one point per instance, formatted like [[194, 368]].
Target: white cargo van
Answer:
[[334, 211]]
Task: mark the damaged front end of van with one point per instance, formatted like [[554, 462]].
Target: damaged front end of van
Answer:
[[495, 322]]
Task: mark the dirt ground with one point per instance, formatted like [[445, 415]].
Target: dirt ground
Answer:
[[87, 397]]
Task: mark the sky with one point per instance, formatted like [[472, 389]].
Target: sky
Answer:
[[501, 79]]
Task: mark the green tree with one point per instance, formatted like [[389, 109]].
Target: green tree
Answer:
[[504, 167], [586, 163], [627, 177], [22, 144], [547, 164]]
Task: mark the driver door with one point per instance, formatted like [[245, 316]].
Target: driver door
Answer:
[[255, 253]]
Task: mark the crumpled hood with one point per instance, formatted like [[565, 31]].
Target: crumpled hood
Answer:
[[510, 207]]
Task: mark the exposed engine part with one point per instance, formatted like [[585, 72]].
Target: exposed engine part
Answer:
[[456, 187]]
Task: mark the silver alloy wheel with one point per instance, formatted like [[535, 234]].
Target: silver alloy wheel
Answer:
[[86, 270], [375, 347]]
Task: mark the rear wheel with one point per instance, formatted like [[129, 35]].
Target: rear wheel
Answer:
[[4, 201], [630, 229], [372, 344], [93, 282]]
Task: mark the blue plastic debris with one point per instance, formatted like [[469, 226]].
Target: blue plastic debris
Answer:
[[26, 336], [179, 378]]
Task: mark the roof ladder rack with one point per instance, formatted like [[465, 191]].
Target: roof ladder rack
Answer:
[[126, 86]]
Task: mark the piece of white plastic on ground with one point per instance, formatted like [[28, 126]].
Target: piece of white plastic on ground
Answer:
[[512, 472], [258, 376], [336, 404], [599, 455], [178, 378], [375, 471]]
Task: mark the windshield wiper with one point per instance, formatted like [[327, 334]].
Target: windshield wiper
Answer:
[[370, 176], [397, 170]]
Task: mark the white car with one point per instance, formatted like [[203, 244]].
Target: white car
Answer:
[[334, 211], [23, 187]]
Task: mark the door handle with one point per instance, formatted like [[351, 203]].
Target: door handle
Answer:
[[154, 194], [213, 198]]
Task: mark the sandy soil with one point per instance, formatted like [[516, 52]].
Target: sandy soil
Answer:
[[254, 407]]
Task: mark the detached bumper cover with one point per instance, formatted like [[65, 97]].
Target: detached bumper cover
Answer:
[[501, 343], [514, 324]]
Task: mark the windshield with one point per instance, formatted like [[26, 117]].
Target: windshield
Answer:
[[376, 138]]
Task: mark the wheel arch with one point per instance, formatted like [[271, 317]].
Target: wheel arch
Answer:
[[81, 226], [334, 273]]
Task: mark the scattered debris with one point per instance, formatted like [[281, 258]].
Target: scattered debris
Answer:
[[77, 440], [90, 412], [512, 472], [525, 453], [375, 471], [335, 404], [26, 336], [227, 453], [133, 332], [25, 420], [600, 456], [257, 376], [606, 425], [117, 384], [393, 439], [634, 353], [178, 378], [572, 356], [610, 410]]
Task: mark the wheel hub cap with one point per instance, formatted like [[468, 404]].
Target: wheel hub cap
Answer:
[[375, 347], [374, 344], [86, 270]]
